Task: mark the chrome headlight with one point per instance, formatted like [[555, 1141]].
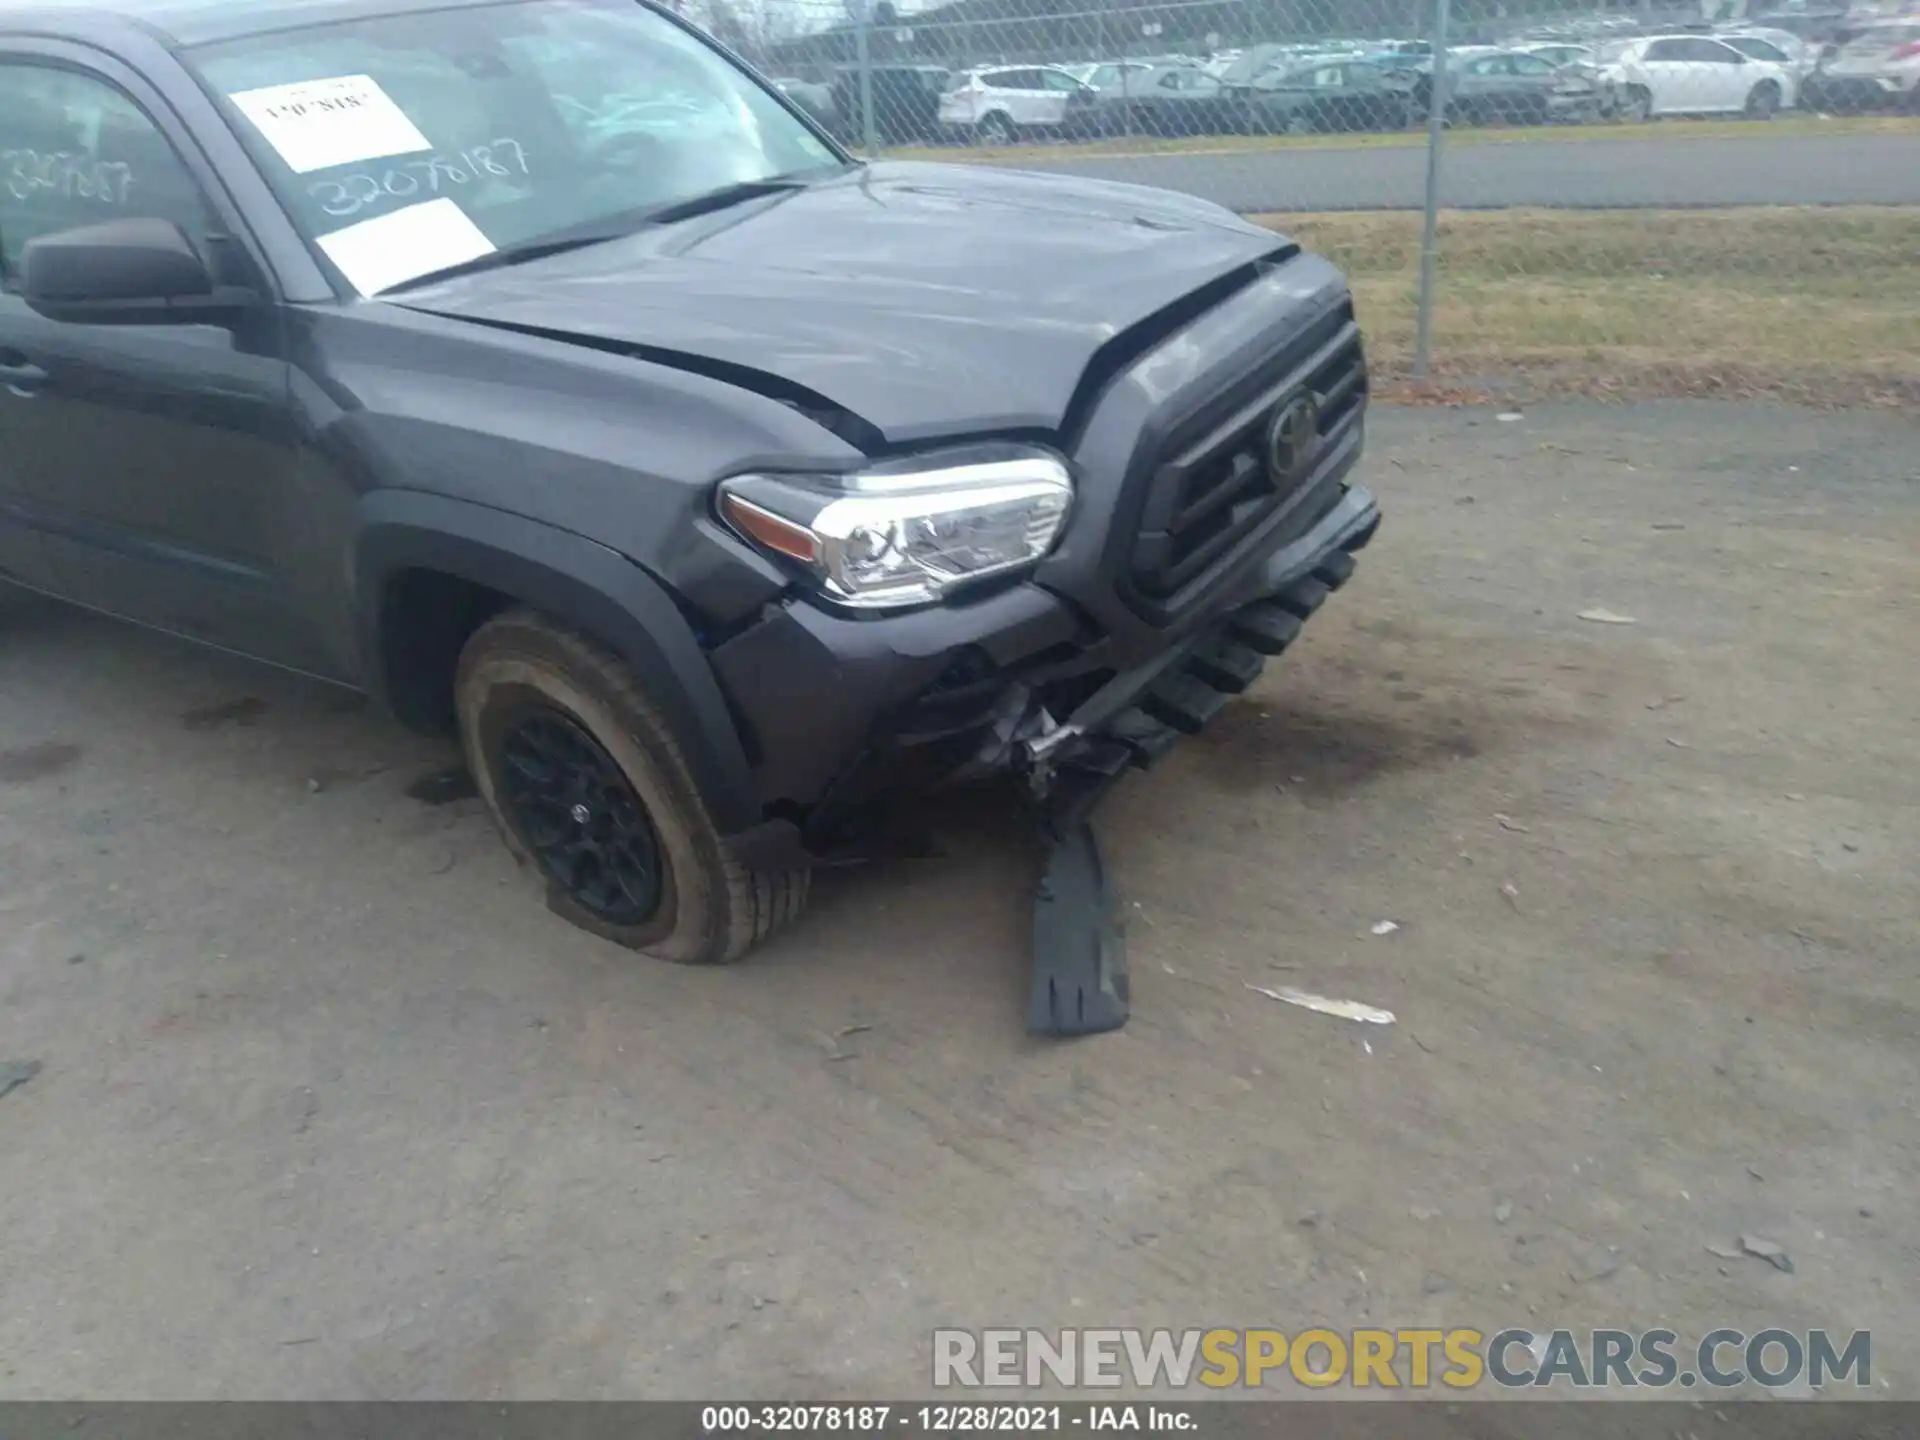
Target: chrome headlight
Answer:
[[905, 532]]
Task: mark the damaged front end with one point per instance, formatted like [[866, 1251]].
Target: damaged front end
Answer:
[[1070, 735], [1080, 982], [1212, 513]]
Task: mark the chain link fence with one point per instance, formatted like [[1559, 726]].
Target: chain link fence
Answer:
[[1652, 197]]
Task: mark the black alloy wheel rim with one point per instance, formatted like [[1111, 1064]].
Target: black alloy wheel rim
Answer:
[[576, 811]]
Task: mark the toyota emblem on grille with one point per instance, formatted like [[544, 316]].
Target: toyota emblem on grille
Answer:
[[1293, 436]]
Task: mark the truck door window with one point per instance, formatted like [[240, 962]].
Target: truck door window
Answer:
[[74, 151]]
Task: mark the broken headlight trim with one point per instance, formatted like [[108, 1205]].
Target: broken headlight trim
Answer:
[[909, 531]]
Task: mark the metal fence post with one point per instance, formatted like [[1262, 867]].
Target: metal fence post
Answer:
[[1429, 229], [863, 50]]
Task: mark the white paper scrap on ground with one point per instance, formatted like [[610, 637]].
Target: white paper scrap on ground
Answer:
[[1340, 1009], [340, 121], [376, 255]]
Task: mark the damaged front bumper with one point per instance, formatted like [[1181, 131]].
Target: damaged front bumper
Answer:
[[1138, 715], [1079, 982], [1012, 684], [1194, 553], [1214, 513]]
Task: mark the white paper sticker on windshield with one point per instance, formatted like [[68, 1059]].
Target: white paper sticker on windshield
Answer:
[[320, 123], [376, 255]]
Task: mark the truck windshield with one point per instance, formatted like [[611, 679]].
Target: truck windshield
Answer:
[[404, 143]]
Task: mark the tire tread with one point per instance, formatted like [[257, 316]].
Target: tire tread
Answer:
[[747, 905]]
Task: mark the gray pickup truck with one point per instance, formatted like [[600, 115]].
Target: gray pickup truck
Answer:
[[536, 367]]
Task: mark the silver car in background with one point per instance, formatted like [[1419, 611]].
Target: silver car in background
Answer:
[[1879, 68]]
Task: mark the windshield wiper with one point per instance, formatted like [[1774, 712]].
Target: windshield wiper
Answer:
[[721, 199], [599, 232], [512, 255]]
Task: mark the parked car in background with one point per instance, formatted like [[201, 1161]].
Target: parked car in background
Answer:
[[1818, 28], [1562, 54], [1798, 50], [1113, 82], [1691, 75], [1579, 30], [1759, 47], [1776, 47], [1256, 61], [906, 103], [1334, 93], [1514, 88], [998, 106], [1105, 75], [1420, 67], [1876, 69], [1168, 100]]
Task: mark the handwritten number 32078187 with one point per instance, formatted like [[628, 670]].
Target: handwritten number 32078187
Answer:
[[351, 194]]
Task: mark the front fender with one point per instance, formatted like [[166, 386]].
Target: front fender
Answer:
[[577, 581]]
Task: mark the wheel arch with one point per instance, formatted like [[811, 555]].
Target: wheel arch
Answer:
[[506, 559]]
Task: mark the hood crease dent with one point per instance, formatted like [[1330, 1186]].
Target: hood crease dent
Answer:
[[896, 304]]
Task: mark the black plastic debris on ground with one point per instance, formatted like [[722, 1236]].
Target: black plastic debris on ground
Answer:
[[15, 1073], [443, 787]]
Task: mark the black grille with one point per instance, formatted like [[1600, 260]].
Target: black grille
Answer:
[[1213, 485]]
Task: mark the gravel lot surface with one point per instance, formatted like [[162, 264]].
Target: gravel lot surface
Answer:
[[330, 1106]]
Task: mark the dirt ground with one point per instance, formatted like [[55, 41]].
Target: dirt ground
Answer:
[[330, 1106]]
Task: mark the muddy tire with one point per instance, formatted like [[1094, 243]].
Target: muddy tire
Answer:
[[591, 791], [1764, 102]]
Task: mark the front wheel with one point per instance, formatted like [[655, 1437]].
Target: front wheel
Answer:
[[1300, 123], [1637, 107], [1764, 102], [588, 784]]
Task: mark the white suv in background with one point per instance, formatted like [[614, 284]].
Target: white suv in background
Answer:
[[997, 106], [1693, 75]]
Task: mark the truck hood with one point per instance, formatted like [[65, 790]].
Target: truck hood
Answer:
[[926, 300]]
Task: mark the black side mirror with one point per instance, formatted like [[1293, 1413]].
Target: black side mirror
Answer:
[[125, 272]]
